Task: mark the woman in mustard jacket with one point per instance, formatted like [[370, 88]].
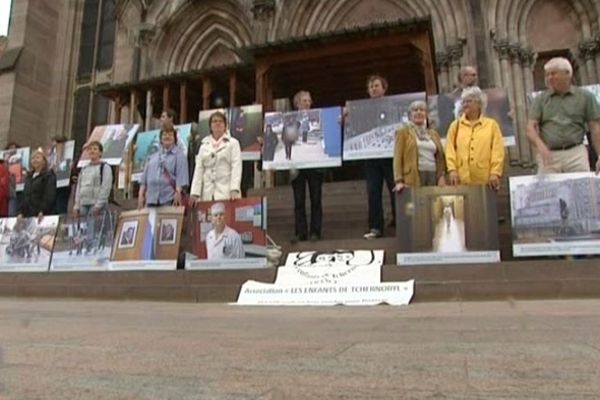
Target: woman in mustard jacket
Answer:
[[474, 145], [418, 152]]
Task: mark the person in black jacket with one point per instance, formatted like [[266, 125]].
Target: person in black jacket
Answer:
[[39, 194]]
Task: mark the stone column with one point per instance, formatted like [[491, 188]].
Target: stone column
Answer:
[[588, 50], [503, 49], [441, 62], [528, 58]]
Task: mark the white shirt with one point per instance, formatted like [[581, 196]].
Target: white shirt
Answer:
[[227, 245]]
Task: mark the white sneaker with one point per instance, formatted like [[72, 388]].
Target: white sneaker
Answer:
[[372, 234]]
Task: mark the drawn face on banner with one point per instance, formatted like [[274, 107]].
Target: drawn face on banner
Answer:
[[336, 258]]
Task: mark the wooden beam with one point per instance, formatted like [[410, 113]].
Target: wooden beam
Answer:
[[166, 96], [232, 88], [183, 102], [118, 108], [149, 110], [371, 45], [423, 43], [206, 91]]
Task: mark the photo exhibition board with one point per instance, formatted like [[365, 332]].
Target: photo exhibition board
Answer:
[[555, 214], [447, 225], [115, 139], [227, 235], [17, 162], [147, 239], [445, 108], [26, 243], [147, 143], [370, 125], [84, 243], [303, 139]]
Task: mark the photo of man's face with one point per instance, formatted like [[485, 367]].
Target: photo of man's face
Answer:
[[218, 219]]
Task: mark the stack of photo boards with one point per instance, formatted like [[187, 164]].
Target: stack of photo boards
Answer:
[[147, 239]]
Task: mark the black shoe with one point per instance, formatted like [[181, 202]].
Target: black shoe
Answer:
[[315, 237], [297, 238]]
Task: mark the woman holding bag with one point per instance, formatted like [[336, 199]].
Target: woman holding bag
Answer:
[[166, 173]]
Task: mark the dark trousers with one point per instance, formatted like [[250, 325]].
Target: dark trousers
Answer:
[[62, 199], [376, 172], [288, 150], [315, 182]]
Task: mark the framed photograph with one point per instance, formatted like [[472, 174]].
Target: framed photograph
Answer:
[[303, 139], [244, 123], [60, 159], [371, 124], [447, 225], [167, 231], [555, 214], [127, 235], [225, 234]]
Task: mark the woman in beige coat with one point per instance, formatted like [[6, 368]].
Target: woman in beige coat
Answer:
[[218, 171]]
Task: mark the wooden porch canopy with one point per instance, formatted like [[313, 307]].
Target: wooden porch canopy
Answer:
[[186, 92], [334, 66]]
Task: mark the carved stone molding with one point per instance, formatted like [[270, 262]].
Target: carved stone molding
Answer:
[[455, 51], [503, 48], [263, 9], [442, 60], [527, 56], [589, 48], [144, 34]]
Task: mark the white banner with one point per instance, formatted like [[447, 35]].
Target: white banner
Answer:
[[328, 275], [363, 294]]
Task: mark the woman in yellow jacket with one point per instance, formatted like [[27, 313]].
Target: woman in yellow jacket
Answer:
[[418, 152], [474, 145]]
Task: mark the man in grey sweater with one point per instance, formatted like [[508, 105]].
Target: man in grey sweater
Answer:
[[92, 191]]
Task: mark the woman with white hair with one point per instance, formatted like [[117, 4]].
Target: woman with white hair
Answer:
[[418, 152], [474, 144]]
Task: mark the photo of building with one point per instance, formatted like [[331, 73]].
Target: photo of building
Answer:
[[556, 214]]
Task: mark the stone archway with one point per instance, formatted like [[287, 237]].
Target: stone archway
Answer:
[[450, 24], [513, 45], [188, 37]]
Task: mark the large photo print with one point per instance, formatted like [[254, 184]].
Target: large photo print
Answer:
[[115, 139], [17, 161], [227, 235], [371, 124], [148, 143], [557, 214], [445, 108], [244, 123], [84, 243], [447, 225], [26, 243], [303, 139]]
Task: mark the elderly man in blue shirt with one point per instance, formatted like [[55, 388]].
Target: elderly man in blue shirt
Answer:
[[166, 173]]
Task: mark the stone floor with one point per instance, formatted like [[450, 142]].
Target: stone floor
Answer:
[[145, 350]]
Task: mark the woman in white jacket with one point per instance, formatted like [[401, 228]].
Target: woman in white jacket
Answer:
[[218, 171]]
